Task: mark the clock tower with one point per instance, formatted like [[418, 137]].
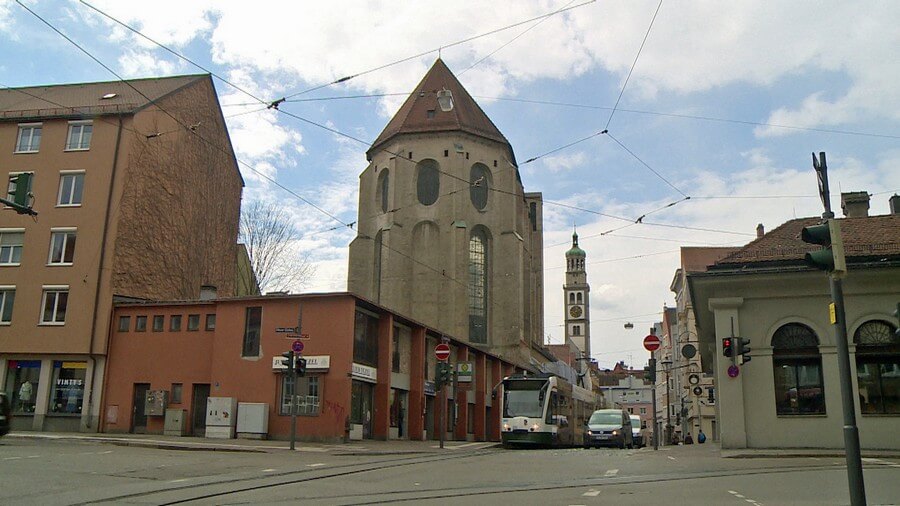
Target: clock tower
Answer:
[[576, 298]]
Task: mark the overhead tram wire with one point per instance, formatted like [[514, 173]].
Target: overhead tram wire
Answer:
[[636, 157], [225, 150], [438, 49]]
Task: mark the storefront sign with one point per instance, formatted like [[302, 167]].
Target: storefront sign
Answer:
[[429, 388], [465, 371], [365, 373], [313, 363]]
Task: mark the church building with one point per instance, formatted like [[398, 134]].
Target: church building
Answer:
[[576, 293], [447, 234]]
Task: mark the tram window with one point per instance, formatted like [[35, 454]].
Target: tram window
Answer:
[[553, 409]]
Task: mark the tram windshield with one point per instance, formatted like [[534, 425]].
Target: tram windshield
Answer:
[[524, 398]]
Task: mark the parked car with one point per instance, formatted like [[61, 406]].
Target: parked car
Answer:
[[5, 414], [637, 432], [609, 427]]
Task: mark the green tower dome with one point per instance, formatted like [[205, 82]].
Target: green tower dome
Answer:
[[575, 251]]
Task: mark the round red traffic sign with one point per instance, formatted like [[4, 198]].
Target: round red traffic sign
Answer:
[[442, 352], [297, 346], [651, 343]]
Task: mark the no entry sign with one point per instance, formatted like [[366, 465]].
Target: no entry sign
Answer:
[[442, 352], [651, 343]]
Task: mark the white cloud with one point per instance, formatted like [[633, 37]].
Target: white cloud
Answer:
[[564, 161], [146, 64]]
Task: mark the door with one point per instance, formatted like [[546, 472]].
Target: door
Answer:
[[138, 414], [198, 409], [429, 418]]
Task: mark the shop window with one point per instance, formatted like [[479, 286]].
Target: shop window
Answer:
[[29, 140], [140, 324], [124, 323], [365, 339], [797, 367], [308, 395], [177, 389], [71, 188], [79, 138], [68, 387], [211, 322], [159, 323], [22, 377], [175, 323], [7, 299], [193, 322], [54, 302], [878, 367], [252, 324]]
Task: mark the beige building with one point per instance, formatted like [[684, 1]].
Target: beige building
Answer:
[[789, 395], [446, 233], [138, 195]]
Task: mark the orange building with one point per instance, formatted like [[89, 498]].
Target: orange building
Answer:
[[370, 371]]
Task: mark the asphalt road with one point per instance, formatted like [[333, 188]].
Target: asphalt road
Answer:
[[69, 472]]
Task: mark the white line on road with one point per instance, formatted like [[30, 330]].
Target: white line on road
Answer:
[[591, 493], [11, 458], [269, 470], [105, 453], [317, 464], [178, 480], [670, 457], [33, 457], [612, 472]]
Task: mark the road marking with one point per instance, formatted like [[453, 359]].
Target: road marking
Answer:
[[105, 453], [591, 493], [178, 480], [269, 470], [11, 458], [612, 472], [317, 464], [33, 457], [670, 457]]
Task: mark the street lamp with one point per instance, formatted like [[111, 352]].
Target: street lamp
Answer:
[[667, 365]]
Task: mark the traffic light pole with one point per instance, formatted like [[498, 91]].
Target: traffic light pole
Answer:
[[653, 394], [443, 408]]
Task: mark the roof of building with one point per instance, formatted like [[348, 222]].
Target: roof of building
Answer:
[[87, 99], [575, 250], [698, 258], [865, 239], [466, 115]]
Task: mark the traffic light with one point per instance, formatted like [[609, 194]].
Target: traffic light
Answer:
[[828, 235], [650, 371], [727, 347], [444, 374], [301, 366], [289, 361], [743, 349], [18, 188]]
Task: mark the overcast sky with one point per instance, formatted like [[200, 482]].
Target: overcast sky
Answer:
[[712, 80]]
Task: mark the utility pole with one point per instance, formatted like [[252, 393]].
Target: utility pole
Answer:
[[832, 259], [668, 364], [652, 368]]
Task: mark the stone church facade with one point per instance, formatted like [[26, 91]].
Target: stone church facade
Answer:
[[446, 233]]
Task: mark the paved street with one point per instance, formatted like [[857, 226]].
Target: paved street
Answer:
[[63, 471]]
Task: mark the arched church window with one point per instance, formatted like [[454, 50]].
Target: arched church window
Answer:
[[479, 180], [428, 181], [383, 189], [376, 269], [797, 366], [878, 367], [571, 297], [478, 285], [580, 300]]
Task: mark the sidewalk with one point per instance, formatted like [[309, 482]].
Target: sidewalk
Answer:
[[187, 443], [769, 453]]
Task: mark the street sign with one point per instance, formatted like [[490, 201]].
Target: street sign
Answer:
[[288, 330], [297, 336], [651, 343], [297, 346], [733, 371], [465, 371], [442, 352]]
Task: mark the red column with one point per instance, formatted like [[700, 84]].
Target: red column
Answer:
[[480, 406], [416, 412], [382, 408], [496, 414], [462, 401]]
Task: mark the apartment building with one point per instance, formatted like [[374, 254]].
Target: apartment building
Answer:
[[138, 197]]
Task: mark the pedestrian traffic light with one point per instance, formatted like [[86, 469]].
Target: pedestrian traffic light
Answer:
[[727, 347], [289, 361], [301, 366], [743, 349], [828, 235], [18, 188]]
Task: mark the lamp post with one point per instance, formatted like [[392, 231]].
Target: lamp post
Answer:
[[667, 365]]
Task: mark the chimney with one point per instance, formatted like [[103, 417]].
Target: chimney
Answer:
[[855, 204], [208, 292], [895, 204], [760, 230]]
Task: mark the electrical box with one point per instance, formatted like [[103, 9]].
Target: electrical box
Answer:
[[176, 422], [253, 420], [156, 402], [221, 417]]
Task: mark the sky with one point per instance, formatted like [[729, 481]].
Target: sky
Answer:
[[725, 104]]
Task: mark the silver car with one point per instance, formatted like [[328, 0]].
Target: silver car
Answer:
[[609, 427]]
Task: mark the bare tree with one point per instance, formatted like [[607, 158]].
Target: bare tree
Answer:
[[269, 236]]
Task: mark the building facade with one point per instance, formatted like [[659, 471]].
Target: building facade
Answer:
[[577, 300], [446, 232], [370, 371], [138, 195], [789, 395]]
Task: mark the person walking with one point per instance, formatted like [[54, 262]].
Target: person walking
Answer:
[[701, 437]]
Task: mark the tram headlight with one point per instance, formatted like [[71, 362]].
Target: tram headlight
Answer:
[[506, 426], [535, 427]]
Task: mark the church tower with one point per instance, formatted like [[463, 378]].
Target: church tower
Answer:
[[576, 293], [446, 234]]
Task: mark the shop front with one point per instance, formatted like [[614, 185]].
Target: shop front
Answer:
[[46, 394]]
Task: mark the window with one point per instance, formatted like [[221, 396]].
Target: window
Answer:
[[22, 379], [159, 322], [479, 180], [797, 366], [643, 411], [365, 339], [429, 114], [29, 140], [308, 395], [55, 299], [62, 247], [124, 323], [176, 393], [878, 367], [395, 350], [478, 286], [11, 246], [211, 322], [79, 135], [578, 297], [71, 187], [576, 330], [67, 395], [7, 298], [384, 186], [253, 322], [428, 181], [140, 324], [193, 322], [175, 323], [12, 187]]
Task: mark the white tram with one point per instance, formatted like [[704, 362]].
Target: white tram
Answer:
[[544, 410]]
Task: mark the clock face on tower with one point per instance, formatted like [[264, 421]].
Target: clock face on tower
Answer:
[[575, 311]]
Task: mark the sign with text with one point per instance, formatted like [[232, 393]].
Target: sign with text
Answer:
[[465, 371], [313, 363], [365, 373], [289, 330]]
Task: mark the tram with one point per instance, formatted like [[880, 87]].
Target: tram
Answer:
[[544, 410]]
